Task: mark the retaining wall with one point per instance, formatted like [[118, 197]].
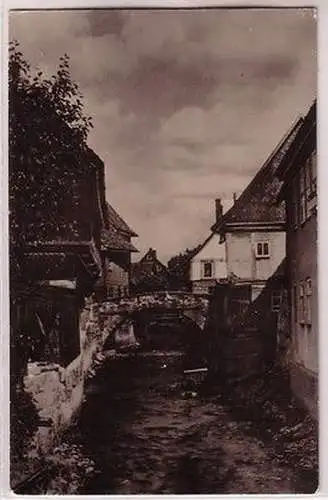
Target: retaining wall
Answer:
[[58, 392]]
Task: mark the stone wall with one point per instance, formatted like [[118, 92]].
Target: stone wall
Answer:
[[304, 384], [58, 392]]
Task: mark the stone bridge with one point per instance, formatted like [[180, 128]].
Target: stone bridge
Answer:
[[194, 307]]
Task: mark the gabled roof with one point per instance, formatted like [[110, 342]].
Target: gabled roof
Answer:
[[116, 220], [151, 257], [200, 247], [257, 203], [306, 136]]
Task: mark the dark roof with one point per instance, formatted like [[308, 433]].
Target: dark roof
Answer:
[[257, 203], [116, 220], [306, 136], [112, 239], [199, 247], [116, 234], [151, 257], [44, 252]]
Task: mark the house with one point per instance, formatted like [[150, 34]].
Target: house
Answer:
[[208, 264], [247, 242], [149, 274], [116, 249], [252, 231], [56, 260], [243, 262], [299, 190]]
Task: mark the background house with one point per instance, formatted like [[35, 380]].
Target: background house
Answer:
[[116, 249], [298, 171], [253, 229], [149, 274], [208, 265]]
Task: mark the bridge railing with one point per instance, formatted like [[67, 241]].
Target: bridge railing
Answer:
[[153, 300]]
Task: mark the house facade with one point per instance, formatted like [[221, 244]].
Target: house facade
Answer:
[[149, 274], [251, 291], [209, 265], [253, 229], [116, 249], [248, 241], [54, 267], [299, 173]]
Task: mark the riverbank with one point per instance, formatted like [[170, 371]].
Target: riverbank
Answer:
[[141, 432], [266, 409]]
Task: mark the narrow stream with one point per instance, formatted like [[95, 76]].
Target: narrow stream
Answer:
[[139, 427], [148, 430]]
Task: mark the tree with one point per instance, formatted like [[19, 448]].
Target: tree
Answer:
[[47, 140], [179, 268]]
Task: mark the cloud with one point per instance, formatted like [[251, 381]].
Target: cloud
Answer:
[[186, 104]]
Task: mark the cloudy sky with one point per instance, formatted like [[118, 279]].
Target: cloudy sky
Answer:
[[186, 104]]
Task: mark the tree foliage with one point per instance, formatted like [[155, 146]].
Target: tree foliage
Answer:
[[47, 143], [179, 268]]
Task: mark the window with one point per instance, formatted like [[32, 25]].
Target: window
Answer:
[[304, 190], [276, 300], [303, 194], [301, 304], [262, 250], [308, 301], [207, 269], [296, 202], [311, 168], [294, 301]]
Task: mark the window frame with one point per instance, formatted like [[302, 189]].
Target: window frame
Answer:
[[304, 191], [203, 268], [301, 304], [308, 301], [276, 294], [262, 245], [303, 213], [295, 303]]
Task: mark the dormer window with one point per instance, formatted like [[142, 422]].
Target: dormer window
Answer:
[[262, 250]]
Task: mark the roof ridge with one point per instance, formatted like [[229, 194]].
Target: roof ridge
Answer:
[[265, 166], [272, 155]]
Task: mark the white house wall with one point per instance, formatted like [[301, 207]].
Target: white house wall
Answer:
[[241, 254], [214, 251]]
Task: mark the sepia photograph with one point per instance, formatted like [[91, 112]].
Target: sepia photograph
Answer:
[[162, 179]]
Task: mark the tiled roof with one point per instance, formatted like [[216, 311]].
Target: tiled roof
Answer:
[[116, 220], [306, 136], [116, 234], [60, 257], [257, 203], [112, 239]]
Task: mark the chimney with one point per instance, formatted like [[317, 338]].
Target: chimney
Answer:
[[234, 198], [218, 209]]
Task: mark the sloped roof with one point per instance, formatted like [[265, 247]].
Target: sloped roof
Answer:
[[257, 203], [306, 134], [116, 220], [112, 239], [116, 234], [151, 257], [199, 247]]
